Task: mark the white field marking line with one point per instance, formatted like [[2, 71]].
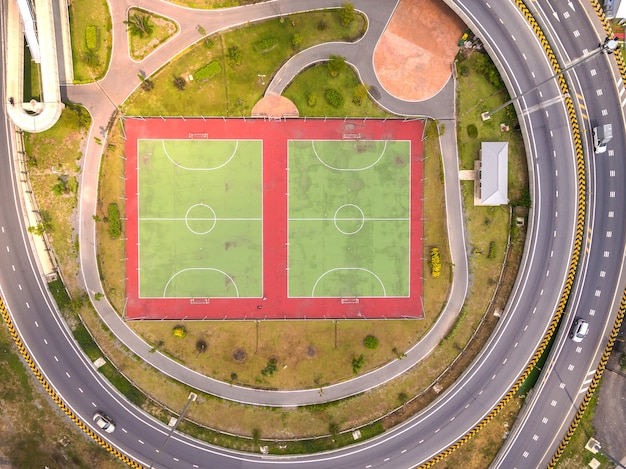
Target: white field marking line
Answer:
[[410, 189], [350, 219], [350, 169], [200, 169], [200, 268], [349, 268], [262, 221], [199, 219]]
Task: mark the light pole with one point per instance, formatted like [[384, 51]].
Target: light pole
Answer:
[[608, 46], [192, 397]]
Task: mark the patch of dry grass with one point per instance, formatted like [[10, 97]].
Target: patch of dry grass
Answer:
[[479, 451], [163, 29]]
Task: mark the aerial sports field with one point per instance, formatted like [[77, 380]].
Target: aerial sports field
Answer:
[[256, 218]]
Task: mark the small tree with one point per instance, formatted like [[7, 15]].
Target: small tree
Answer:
[[235, 54], [139, 25], [336, 64], [358, 363], [180, 83], [347, 13], [146, 83]]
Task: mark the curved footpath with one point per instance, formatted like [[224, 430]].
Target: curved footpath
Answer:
[[101, 99]]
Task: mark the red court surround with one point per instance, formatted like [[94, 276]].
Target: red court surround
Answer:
[[275, 134]]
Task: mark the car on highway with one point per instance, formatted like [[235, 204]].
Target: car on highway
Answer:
[[104, 422], [579, 330]]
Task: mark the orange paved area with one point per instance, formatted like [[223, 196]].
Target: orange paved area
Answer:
[[413, 59], [274, 106]]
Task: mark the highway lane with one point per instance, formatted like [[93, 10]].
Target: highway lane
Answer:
[[467, 401], [597, 292]]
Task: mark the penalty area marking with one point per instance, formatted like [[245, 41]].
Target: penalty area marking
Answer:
[[319, 158], [200, 169], [349, 268], [200, 268]]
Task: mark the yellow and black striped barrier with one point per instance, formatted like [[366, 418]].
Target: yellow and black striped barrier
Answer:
[[55, 396], [578, 240]]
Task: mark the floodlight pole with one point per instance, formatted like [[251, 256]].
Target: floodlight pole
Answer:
[[608, 46], [191, 398]]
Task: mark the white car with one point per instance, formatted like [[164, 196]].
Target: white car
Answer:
[[104, 422], [580, 329]]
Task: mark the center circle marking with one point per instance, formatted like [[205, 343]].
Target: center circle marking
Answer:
[[212, 218], [336, 218]]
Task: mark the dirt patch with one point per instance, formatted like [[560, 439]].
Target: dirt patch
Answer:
[[413, 59]]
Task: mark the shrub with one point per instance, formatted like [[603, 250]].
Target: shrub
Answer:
[[370, 342], [91, 37], [472, 131], [311, 99], [357, 363], [296, 40], [270, 368], [115, 225], [265, 44], [333, 97], [435, 263], [179, 332], [208, 71], [360, 93], [234, 54]]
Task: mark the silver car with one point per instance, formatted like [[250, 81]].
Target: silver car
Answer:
[[580, 329], [104, 422]]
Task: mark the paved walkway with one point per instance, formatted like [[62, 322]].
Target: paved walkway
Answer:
[[121, 80]]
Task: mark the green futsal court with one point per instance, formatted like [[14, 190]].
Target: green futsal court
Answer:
[[349, 208], [200, 218]]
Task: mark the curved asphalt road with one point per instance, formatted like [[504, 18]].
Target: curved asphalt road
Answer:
[[460, 407]]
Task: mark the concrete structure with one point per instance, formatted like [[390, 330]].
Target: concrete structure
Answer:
[[33, 116], [494, 173], [615, 8]]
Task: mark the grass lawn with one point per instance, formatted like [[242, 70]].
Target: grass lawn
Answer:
[[32, 78], [90, 29], [307, 90], [162, 29], [232, 89], [53, 166]]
